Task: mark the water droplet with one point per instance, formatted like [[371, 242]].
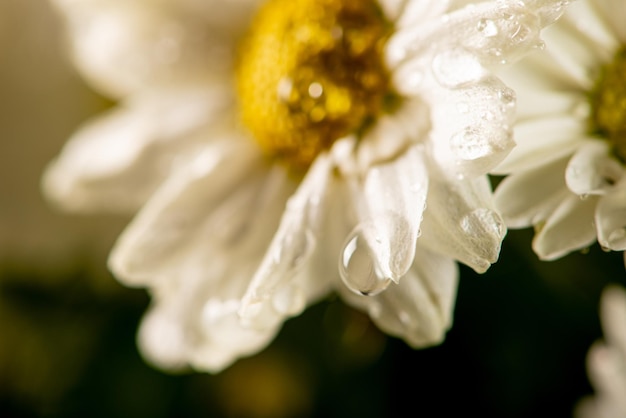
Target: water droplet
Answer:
[[357, 267], [584, 196], [507, 96], [487, 27], [469, 144], [454, 69], [289, 300]]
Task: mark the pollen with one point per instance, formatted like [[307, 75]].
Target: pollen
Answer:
[[608, 104], [310, 72]]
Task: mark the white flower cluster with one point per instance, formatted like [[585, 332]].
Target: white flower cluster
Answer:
[[231, 242]]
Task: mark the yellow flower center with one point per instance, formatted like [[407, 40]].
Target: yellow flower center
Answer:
[[310, 72], [608, 104]]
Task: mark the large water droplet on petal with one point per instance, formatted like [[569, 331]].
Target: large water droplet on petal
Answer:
[[358, 269]]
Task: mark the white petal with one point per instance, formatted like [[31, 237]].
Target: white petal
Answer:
[[549, 103], [209, 206], [116, 161], [540, 141], [605, 367], [576, 59], [614, 13], [462, 222], [592, 169], [418, 12], [610, 218], [495, 32], [583, 16], [570, 227], [418, 309], [294, 243], [388, 207], [529, 197], [613, 316], [471, 126], [123, 47]]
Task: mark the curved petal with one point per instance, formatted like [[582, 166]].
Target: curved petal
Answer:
[[277, 281], [613, 315], [614, 14], [116, 161], [494, 32], [209, 206], [125, 47], [388, 204], [570, 227], [472, 126], [529, 197], [419, 308], [462, 222], [592, 169], [610, 218], [540, 141]]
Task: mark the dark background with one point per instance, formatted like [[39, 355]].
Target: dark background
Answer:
[[67, 328]]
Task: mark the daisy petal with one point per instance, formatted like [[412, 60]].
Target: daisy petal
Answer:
[[495, 39], [605, 369], [291, 248], [614, 13], [115, 162], [592, 169], [529, 197], [212, 200], [471, 126], [388, 206], [419, 308], [610, 218], [564, 231], [613, 314], [462, 223], [533, 148]]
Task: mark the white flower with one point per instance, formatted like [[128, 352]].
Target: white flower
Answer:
[[232, 240], [606, 361], [568, 168]]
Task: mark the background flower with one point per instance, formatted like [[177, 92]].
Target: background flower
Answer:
[[606, 361], [567, 172]]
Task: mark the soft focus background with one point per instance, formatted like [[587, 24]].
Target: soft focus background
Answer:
[[67, 328]]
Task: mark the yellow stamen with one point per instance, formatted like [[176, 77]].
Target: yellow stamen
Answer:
[[608, 103], [310, 72]]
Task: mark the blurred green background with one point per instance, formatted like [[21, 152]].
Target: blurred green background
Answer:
[[67, 328]]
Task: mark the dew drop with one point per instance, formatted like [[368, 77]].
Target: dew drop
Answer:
[[469, 144], [487, 27], [357, 267], [454, 69]]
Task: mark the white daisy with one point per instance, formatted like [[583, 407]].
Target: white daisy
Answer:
[[568, 169], [606, 361], [269, 147]]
